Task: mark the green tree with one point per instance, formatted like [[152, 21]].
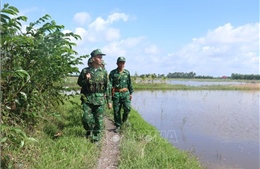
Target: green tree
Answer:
[[34, 65], [153, 76]]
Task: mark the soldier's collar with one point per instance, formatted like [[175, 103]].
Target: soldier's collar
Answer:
[[119, 71], [99, 68]]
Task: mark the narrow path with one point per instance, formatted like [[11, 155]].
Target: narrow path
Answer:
[[110, 147]]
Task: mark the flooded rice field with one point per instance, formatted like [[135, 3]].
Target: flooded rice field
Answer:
[[219, 127]]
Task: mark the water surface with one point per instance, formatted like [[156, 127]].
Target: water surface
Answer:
[[220, 127], [201, 83]]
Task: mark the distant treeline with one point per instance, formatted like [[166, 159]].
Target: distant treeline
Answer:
[[192, 75], [245, 76], [189, 75]]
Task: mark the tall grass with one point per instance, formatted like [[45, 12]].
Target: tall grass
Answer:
[[71, 149], [61, 143]]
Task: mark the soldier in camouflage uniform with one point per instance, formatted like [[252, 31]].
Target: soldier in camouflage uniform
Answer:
[[122, 90], [95, 86]]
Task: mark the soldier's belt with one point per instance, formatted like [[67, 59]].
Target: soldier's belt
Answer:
[[121, 90]]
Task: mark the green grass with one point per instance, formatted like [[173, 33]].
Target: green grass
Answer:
[[66, 152], [69, 150], [141, 145]]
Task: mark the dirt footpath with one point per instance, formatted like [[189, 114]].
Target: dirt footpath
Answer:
[[109, 156]]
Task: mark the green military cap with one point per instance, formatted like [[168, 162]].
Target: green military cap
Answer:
[[121, 59], [96, 52]]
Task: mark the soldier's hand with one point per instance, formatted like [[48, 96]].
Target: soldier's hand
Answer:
[[88, 76], [109, 105]]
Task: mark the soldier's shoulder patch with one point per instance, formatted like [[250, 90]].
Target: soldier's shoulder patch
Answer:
[[126, 71]]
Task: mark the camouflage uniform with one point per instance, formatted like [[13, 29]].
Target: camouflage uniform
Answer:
[[121, 90], [94, 93]]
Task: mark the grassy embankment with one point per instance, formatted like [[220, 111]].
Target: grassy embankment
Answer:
[[61, 144], [160, 86]]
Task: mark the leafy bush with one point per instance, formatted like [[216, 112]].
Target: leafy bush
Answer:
[[34, 65]]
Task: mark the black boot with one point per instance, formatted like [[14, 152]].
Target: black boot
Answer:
[[88, 133]]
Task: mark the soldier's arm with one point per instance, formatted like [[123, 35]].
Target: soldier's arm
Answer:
[[111, 83], [79, 82], [130, 85], [108, 92], [82, 80], [110, 78]]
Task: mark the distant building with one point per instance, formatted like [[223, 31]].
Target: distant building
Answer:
[[224, 77]]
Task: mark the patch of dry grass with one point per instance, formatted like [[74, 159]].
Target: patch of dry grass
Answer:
[[248, 86]]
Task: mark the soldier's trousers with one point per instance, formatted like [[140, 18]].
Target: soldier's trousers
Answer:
[[92, 118], [121, 100]]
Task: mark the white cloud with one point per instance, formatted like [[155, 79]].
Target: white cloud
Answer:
[[82, 18], [130, 48], [100, 29], [117, 16], [114, 49], [123, 47], [98, 25], [82, 33], [227, 34], [111, 34], [152, 50], [222, 51]]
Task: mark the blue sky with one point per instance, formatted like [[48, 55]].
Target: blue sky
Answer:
[[208, 37]]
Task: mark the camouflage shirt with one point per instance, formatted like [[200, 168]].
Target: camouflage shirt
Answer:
[[95, 90], [121, 80]]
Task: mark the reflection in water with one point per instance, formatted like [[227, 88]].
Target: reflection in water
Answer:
[[221, 127]]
